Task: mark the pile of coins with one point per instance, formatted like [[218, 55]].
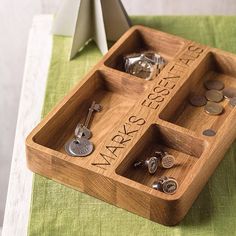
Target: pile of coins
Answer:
[[164, 160], [145, 65], [216, 92], [80, 146]]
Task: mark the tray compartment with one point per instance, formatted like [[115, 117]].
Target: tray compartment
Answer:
[[159, 137], [116, 95], [139, 40], [216, 65]]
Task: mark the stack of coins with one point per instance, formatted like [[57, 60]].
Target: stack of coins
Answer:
[[214, 96], [145, 65], [216, 92]]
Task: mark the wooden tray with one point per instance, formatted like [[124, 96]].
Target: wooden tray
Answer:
[[139, 116]]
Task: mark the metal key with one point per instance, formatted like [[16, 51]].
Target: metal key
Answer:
[[80, 146], [83, 130], [94, 107]]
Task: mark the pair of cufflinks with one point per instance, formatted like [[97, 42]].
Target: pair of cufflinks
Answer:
[[161, 158]]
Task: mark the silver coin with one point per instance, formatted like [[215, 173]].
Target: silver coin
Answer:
[[209, 132], [214, 96], [79, 147], [197, 101], [229, 92], [170, 186], [213, 108], [232, 102], [152, 165], [214, 84]]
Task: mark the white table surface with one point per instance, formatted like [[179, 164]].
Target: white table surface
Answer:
[[32, 96]]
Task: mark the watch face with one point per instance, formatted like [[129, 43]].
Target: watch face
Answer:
[[144, 65], [142, 69]]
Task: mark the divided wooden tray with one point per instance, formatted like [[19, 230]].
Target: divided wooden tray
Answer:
[[139, 116]]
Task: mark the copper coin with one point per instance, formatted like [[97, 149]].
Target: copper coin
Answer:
[[232, 101], [214, 96], [213, 108], [229, 92], [214, 84], [197, 101], [209, 132]]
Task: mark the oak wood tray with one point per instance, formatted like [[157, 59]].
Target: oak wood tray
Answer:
[[139, 116]]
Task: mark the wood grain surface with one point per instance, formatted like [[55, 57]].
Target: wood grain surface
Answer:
[[138, 118]]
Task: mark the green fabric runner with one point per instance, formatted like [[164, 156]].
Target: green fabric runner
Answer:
[[58, 210]]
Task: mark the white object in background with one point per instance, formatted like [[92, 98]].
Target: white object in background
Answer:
[[32, 96], [100, 20]]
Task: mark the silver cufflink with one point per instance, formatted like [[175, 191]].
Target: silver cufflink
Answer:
[[167, 160], [168, 185], [162, 159], [151, 163]]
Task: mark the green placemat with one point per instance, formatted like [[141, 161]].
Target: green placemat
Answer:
[[58, 210]]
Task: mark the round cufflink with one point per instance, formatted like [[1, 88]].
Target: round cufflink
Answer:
[[168, 185], [167, 160], [151, 163]]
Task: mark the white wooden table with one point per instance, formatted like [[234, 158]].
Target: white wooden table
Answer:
[[32, 96]]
